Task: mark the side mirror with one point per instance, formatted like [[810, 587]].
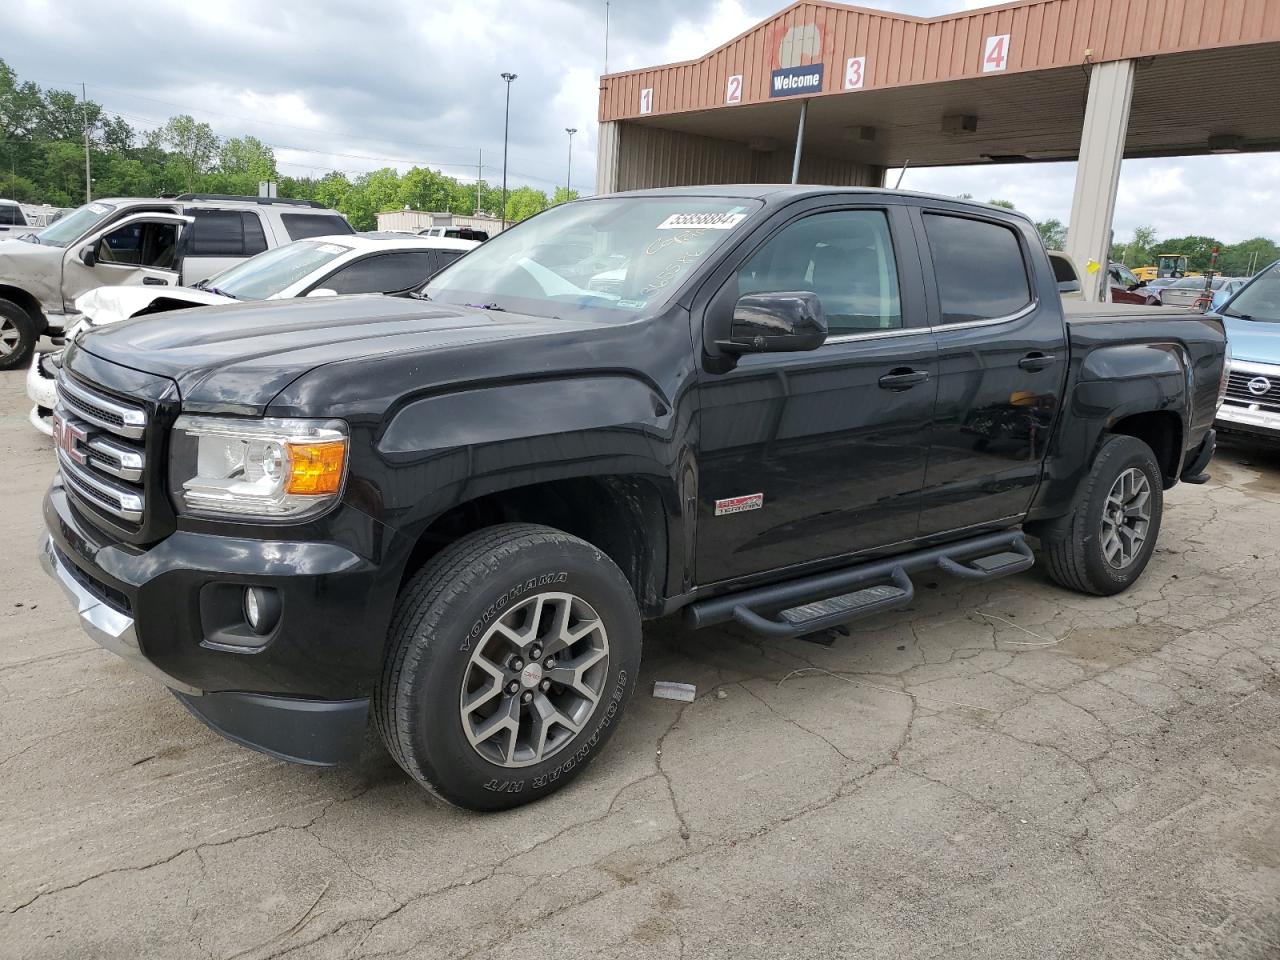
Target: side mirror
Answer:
[[322, 292], [89, 255], [784, 322]]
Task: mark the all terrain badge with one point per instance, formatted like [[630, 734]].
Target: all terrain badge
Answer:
[[752, 501]]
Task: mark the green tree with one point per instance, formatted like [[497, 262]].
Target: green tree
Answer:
[[1007, 204], [21, 105], [524, 202], [194, 146], [422, 189], [14, 187], [1199, 250], [1247, 257], [1140, 251], [563, 196], [1053, 232], [370, 195], [247, 157]]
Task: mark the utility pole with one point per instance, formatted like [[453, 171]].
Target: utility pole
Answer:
[[569, 173], [84, 116], [506, 132], [479, 177], [606, 36]]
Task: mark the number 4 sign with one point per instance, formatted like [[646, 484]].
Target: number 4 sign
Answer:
[[646, 100], [733, 91], [855, 70], [996, 55]]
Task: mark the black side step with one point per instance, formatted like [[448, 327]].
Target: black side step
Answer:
[[825, 600]]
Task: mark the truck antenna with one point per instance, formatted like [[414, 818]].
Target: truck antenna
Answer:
[[902, 173]]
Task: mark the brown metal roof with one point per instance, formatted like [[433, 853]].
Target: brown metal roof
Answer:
[[902, 50]]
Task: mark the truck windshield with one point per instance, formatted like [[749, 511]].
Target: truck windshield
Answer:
[[75, 224], [267, 274], [1260, 300], [604, 259]]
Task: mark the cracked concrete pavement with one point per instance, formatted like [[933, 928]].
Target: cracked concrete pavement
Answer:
[[1006, 770]]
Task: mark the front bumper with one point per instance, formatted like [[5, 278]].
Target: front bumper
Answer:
[[302, 694], [1251, 419], [43, 392]]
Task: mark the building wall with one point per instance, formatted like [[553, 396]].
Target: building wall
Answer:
[[415, 220], [635, 157]]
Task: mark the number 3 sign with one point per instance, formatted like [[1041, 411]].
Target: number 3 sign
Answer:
[[855, 70], [995, 56]]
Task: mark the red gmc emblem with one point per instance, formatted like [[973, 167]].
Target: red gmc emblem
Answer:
[[67, 436]]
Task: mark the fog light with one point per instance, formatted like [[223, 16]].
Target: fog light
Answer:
[[261, 609]]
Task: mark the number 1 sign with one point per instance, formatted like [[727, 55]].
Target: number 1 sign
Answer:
[[646, 100], [995, 56]]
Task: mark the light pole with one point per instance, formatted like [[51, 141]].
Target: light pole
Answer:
[[506, 129], [569, 173]]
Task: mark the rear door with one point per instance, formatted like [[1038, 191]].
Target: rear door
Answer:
[[1002, 360], [815, 455], [219, 239]]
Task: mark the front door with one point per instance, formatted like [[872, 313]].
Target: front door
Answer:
[[1002, 359], [816, 455], [138, 249]]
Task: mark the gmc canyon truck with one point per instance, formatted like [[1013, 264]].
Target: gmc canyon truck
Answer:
[[451, 511]]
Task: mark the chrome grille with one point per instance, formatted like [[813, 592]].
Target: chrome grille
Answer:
[[1238, 389], [100, 451]]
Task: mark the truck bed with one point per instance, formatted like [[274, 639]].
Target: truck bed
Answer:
[[1078, 311]]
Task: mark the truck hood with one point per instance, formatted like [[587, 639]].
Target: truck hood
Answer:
[[1257, 341], [235, 359], [106, 305]]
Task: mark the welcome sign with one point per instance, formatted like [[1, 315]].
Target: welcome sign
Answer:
[[791, 81]]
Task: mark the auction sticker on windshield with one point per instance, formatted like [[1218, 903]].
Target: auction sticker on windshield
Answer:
[[706, 221]]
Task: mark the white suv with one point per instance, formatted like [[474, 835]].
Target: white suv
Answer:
[[155, 242]]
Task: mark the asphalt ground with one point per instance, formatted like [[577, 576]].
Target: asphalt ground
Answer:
[[1003, 770]]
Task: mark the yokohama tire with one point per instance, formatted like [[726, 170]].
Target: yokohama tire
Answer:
[[1115, 486], [463, 609]]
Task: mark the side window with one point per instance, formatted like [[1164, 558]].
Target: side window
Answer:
[[140, 244], [845, 257], [303, 226], [979, 268], [255, 241], [216, 233], [11, 215], [446, 257], [386, 273]]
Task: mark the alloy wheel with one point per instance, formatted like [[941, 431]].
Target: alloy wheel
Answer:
[[1126, 518], [10, 338], [534, 679]]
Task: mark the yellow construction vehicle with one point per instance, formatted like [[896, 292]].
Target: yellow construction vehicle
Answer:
[[1167, 265]]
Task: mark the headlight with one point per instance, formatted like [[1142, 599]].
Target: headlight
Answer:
[[257, 468]]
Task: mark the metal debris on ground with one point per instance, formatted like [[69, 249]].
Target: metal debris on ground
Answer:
[[669, 690]]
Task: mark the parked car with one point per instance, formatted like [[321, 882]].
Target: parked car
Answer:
[[1226, 292], [137, 241], [13, 219], [1127, 288], [1252, 319], [1187, 290], [456, 233], [450, 513], [324, 266]]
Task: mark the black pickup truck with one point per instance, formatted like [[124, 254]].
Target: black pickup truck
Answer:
[[452, 510]]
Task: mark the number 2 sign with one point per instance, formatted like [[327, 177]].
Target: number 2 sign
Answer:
[[995, 56], [646, 100], [733, 91], [855, 70]]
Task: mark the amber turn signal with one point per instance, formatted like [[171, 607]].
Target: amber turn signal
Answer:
[[316, 468]]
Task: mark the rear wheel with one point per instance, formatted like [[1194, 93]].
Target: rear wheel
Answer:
[[17, 335], [510, 659], [1114, 529]]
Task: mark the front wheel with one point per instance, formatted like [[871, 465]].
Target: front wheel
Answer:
[[511, 657], [1113, 531], [17, 335]]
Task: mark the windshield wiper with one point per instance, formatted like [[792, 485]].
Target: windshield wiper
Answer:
[[488, 306], [221, 293], [417, 295]]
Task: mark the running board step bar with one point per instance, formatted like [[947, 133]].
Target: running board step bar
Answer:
[[826, 600]]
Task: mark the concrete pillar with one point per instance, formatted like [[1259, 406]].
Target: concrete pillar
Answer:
[[607, 157], [1106, 121]]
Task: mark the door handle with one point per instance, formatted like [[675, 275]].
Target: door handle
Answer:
[[1036, 361], [902, 378], [155, 282]]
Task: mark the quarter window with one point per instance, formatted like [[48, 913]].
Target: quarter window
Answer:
[[845, 257], [386, 273], [303, 226], [979, 268]]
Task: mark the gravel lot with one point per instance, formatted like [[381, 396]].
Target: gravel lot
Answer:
[[940, 784]]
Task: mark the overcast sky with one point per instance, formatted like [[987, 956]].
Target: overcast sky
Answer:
[[333, 84]]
